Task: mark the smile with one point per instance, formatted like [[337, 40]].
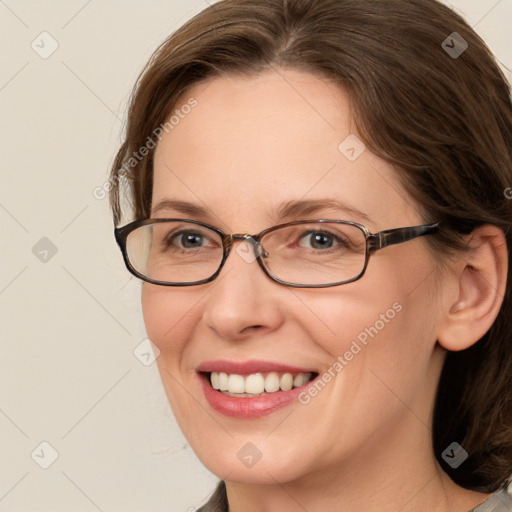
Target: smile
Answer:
[[257, 384], [251, 389]]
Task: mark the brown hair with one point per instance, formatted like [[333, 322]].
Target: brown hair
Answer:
[[444, 122]]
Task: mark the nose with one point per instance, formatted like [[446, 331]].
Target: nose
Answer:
[[243, 301]]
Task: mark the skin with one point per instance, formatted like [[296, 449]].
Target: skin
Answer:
[[363, 443]]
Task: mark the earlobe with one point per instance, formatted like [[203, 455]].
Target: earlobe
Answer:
[[481, 275]]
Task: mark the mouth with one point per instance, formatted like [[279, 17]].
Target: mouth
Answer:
[[252, 389], [256, 384]]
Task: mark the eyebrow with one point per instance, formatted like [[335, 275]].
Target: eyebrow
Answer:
[[304, 208], [300, 208], [183, 207]]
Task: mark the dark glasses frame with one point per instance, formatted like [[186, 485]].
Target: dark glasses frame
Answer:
[[374, 242]]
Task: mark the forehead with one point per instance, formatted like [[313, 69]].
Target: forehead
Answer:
[[250, 144]]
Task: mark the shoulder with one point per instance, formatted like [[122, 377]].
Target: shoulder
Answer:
[[500, 501]]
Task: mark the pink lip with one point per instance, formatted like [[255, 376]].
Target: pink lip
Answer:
[[248, 367], [247, 407]]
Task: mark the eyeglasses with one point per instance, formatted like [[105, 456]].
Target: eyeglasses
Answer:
[[300, 254]]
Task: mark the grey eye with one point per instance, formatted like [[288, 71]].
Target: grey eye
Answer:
[[318, 240]]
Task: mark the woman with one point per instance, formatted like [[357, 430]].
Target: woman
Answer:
[[318, 190]]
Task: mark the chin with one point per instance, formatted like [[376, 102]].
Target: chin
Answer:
[[251, 459]]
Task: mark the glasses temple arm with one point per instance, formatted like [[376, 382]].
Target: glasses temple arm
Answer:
[[399, 235]]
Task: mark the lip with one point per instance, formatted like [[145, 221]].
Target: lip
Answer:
[[248, 407], [248, 367]]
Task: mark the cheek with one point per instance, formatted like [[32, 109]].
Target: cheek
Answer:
[[169, 316], [338, 319], [383, 326]]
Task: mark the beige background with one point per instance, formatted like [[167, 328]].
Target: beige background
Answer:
[[70, 321]]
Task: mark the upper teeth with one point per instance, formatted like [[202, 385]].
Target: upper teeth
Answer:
[[257, 383]]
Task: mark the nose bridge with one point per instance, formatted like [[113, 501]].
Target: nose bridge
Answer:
[[238, 302], [242, 236], [229, 240]]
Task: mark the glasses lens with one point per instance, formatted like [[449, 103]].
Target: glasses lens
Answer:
[[174, 251], [315, 253]]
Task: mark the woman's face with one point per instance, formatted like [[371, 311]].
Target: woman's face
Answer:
[[249, 149]]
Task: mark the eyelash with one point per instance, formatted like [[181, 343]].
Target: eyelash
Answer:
[[171, 238], [339, 241]]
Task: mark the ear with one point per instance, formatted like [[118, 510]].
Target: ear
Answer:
[[472, 301]]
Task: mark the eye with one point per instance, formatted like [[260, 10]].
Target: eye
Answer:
[[188, 240], [320, 240]]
